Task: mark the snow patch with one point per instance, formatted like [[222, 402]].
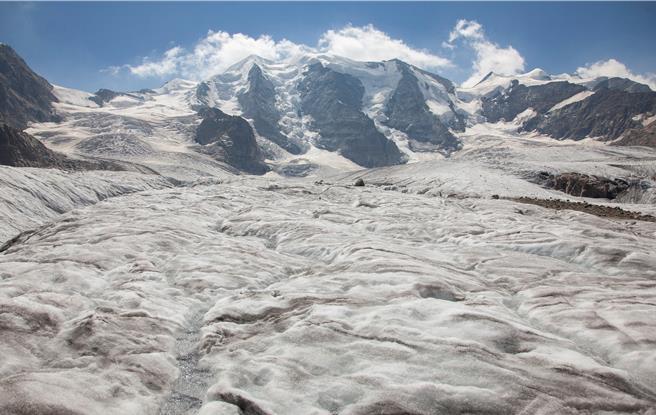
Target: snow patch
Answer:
[[574, 98]]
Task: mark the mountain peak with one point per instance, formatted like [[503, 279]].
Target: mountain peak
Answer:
[[620, 84], [244, 65], [8, 53], [176, 84], [537, 74]]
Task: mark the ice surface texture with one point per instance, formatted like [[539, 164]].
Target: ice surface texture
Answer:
[[308, 298]]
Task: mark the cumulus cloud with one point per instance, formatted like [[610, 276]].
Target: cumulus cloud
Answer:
[[468, 29], [612, 68], [213, 54], [167, 64], [370, 44], [219, 50], [490, 57]]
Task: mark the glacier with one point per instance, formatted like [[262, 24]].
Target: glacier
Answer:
[[416, 294], [433, 289]]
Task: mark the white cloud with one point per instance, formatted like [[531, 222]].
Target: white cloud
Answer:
[[219, 50], [113, 70], [468, 29], [213, 54], [370, 44], [613, 68], [164, 66], [490, 57]]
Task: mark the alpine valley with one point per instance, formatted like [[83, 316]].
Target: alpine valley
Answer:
[[326, 236]]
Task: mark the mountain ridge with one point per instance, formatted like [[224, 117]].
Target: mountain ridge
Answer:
[[24, 96], [396, 112]]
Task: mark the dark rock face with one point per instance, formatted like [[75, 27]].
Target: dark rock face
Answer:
[[507, 104], [19, 149], [607, 113], [448, 85], [407, 111], [202, 94], [258, 104], [621, 84], [230, 139], [104, 95], [645, 136], [24, 95], [334, 100], [583, 185], [296, 168]]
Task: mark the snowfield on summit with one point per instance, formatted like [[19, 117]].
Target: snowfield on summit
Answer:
[[320, 234]]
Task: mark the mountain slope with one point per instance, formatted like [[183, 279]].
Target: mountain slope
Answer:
[[19, 149], [369, 113], [334, 102], [645, 136], [269, 94], [621, 84], [564, 107], [608, 113], [258, 103], [508, 103], [230, 138], [408, 111], [24, 95]]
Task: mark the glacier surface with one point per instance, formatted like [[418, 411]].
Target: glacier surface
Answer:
[[288, 296], [196, 290]]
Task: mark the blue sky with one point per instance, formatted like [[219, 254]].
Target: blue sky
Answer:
[[76, 44]]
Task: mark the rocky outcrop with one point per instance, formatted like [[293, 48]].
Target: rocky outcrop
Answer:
[[608, 113], [24, 95], [447, 84], [258, 103], [334, 101], [202, 95], [517, 98], [230, 139], [19, 149], [407, 111], [643, 136], [621, 84], [614, 212], [103, 96], [583, 185]]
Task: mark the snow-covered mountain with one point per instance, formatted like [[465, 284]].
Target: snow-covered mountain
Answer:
[[413, 109], [568, 107], [326, 111]]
